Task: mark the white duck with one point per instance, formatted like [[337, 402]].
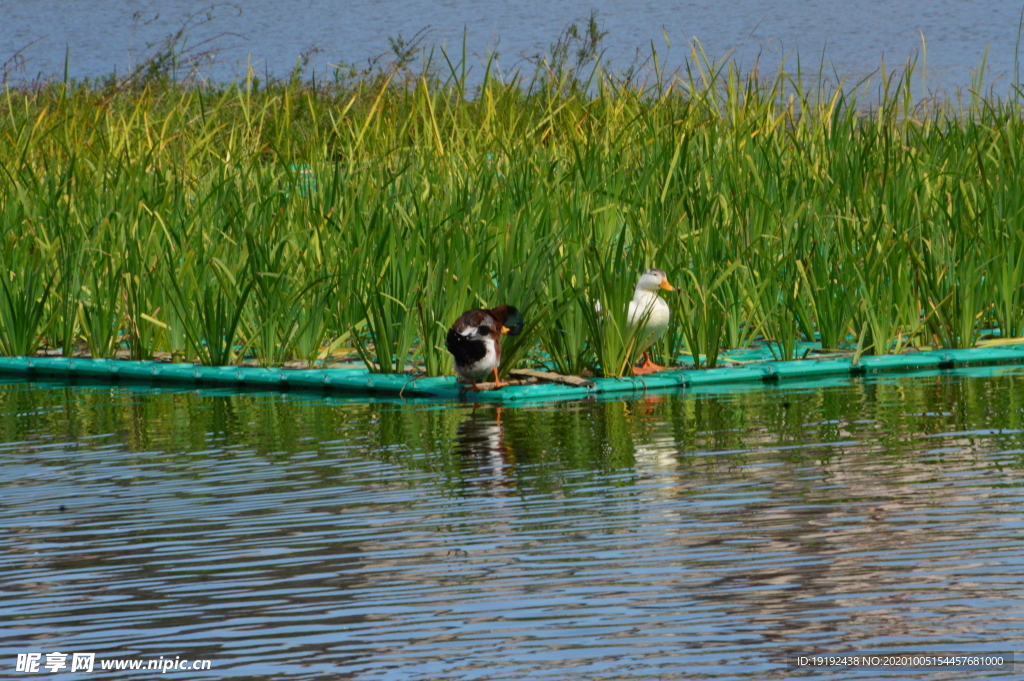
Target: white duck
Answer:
[[649, 309]]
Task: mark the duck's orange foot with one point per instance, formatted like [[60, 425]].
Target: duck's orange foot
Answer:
[[497, 384], [493, 386], [647, 369]]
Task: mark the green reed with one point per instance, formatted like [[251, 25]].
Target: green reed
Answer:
[[288, 221]]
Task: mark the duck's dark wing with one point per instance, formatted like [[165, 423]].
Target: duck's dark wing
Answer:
[[466, 348]]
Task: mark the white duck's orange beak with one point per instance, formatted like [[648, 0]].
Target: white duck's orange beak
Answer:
[[665, 285]]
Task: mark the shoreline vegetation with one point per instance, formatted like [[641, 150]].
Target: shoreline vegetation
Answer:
[[313, 221]]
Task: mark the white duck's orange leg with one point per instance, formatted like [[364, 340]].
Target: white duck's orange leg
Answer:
[[647, 367]]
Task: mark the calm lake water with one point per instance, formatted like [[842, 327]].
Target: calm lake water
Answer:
[[850, 38], [682, 536]]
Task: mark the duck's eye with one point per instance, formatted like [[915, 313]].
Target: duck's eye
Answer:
[[483, 330]]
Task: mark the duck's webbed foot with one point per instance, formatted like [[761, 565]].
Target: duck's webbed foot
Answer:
[[647, 367], [479, 387], [498, 384]]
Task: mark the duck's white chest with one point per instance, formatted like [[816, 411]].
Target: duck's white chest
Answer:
[[651, 307], [653, 313]]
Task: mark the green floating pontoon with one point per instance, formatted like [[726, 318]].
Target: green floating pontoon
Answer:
[[359, 381]]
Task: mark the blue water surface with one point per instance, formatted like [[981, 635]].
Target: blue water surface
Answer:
[[834, 39], [303, 536]]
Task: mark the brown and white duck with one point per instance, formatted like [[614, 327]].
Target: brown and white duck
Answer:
[[475, 341]]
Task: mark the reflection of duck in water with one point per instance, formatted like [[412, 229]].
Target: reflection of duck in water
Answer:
[[480, 440]]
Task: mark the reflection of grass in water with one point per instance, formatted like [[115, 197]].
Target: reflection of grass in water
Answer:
[[715, 438], [707, 438], [289, 221]]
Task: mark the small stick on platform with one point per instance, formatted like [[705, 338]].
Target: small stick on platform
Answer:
[[551, 377], [491, 386]]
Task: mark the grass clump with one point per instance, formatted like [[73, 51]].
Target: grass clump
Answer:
[[298, 221]]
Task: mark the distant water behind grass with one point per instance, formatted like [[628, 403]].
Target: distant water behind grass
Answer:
[[847, 40]]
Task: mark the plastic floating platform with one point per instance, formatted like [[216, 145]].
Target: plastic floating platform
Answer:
[[358, 381]]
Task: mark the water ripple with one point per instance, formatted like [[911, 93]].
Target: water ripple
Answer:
[[691, 537]]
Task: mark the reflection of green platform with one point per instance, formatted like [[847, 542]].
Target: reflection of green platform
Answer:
[[361, 382]]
